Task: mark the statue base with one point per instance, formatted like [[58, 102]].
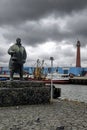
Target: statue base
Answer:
[[25, 93]]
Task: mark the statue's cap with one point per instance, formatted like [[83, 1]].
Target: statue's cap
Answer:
[[18, 39]]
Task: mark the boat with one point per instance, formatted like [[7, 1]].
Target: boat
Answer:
[[57, 78]]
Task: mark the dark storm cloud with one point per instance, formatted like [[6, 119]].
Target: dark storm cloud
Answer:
[[27, 19], [77, 25], [34, 33], [14, 11]]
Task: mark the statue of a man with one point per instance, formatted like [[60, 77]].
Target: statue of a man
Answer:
[[18, 58]]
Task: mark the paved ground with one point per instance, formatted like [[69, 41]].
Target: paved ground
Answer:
[[67, 115]]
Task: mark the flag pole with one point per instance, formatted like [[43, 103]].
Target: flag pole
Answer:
[[51, 58]]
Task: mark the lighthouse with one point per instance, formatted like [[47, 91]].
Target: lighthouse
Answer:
[[78, 62]]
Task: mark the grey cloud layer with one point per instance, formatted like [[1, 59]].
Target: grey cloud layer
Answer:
[[24, 19], [35, 33], [14, 11]]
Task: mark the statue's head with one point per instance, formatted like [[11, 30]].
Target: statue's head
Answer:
[[18, 41]]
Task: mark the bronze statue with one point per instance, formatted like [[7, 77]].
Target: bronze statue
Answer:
[[18, 58]]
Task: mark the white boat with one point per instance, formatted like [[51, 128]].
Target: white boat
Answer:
[[57, 78]]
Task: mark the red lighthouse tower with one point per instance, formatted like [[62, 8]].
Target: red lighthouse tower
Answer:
[[78, 62]]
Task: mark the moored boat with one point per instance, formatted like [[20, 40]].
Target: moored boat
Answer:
[[57, 78]]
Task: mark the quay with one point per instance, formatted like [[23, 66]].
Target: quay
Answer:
[[78, 80], [59, 115]]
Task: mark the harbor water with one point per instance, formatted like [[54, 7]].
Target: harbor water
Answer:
[[73, 92]]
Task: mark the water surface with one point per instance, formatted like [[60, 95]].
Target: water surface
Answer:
[[73, 92]]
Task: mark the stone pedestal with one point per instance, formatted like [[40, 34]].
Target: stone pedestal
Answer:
[[26, 92], [23, 92]]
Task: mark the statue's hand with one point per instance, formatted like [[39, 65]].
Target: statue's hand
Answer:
[[12, 52]]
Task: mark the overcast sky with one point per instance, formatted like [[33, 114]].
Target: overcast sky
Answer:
[[47, 28]]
